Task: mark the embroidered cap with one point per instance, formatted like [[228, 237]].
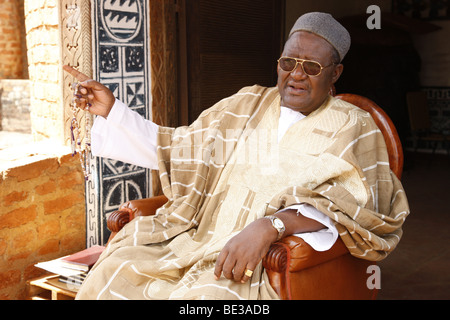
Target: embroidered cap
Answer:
[[325, 26]]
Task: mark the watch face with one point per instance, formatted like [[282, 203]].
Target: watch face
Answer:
[[278, 223]]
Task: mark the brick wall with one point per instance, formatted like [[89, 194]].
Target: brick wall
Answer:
[[42, 217], [13, 64], [42, 30]]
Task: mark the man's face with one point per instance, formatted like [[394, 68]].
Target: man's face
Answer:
[[299, 91]]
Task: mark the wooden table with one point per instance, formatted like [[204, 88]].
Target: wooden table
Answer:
[[50, 288]]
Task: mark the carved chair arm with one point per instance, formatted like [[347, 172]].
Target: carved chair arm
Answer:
[[293, 254], [117, 220], [131, 209]]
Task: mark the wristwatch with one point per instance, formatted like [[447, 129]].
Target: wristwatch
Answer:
[[278, 225]]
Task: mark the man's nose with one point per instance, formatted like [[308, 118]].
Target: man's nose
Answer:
[[298, 72]]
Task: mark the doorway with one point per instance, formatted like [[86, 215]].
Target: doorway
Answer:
[[224, 46]]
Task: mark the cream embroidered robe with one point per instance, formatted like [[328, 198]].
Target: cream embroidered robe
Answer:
[[228, 169]]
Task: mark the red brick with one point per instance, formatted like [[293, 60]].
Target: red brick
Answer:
[[32, 271], [75, 178], [61, 204], [50, 246], [22, 240], [75, 221], [48, 230], [73, 242], [34, 170], [18, 217], [46, 188], [5, 297], [8, 31], [9, 278], [69, 159], [20, 256], [14, 197], [3, 246]]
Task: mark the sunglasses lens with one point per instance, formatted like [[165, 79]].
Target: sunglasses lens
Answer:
[[311, 68], [288, 64]]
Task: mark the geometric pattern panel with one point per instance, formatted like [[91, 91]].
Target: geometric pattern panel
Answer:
[[422, 9], [121, 40], [438, 99]]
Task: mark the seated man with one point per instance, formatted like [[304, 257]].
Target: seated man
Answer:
[[260, 165]]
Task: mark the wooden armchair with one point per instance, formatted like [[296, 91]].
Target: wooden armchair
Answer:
[[296, 271]]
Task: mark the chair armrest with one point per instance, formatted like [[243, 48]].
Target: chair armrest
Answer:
[[117, 220], [293, 254], [143, 207], [131, 209]]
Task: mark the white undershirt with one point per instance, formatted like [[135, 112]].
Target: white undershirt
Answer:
[[128, 137]]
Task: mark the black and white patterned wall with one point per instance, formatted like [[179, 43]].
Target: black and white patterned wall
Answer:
[[423, 9], [439, 103], [121, 62]]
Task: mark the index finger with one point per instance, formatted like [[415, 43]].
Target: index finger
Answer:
[[219, 264], [77, 74]]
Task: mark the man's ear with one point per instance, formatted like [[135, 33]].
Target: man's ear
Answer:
[[337, 73]]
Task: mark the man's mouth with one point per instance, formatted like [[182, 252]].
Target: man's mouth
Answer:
[[296, 89]]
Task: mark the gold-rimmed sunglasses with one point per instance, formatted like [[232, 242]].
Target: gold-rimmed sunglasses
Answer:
[[310, 67]]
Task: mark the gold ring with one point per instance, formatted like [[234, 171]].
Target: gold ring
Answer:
[[248, 273]]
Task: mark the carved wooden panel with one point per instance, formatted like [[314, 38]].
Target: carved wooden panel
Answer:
[[121, 62], [76, 50], [164, 62], [110, 41]]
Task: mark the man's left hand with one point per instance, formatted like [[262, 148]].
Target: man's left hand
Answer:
[[245, 250]]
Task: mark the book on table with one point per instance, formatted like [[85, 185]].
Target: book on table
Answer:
[[73, 268], [83, 260]]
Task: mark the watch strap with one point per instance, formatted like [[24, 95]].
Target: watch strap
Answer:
[[278, 224]]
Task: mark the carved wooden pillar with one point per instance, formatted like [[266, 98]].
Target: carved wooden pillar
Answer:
[[164, 62], [76, 50], [164, 66]]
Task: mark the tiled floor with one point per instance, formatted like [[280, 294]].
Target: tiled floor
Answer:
[[420, 266]]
